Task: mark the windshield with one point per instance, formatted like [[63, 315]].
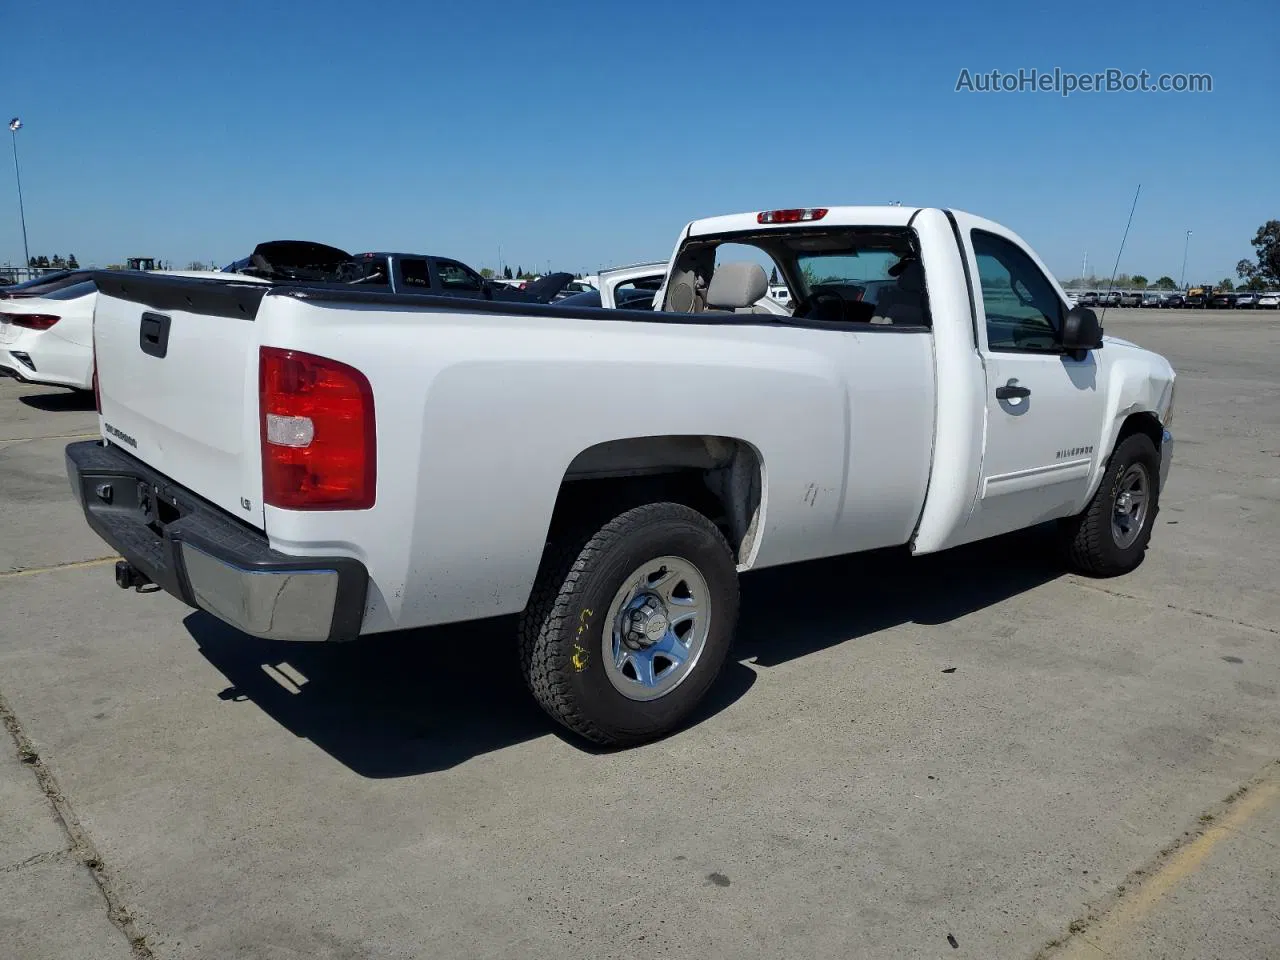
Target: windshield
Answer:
[[866, 269], [861, 266]]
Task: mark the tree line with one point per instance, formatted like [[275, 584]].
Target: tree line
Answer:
[[1264, 272], [1261, 273]]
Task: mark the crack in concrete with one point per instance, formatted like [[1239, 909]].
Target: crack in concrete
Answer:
[[82, 847], [52, 856], [68, 565], [64, 436], [1173, 606]]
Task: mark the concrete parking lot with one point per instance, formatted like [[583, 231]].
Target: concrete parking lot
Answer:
[[972, 754]]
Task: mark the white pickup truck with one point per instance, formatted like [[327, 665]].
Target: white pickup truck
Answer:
[[318, 463]]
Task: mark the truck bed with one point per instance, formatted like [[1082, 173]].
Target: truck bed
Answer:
[[483, 409]]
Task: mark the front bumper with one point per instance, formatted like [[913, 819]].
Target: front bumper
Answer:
[[1166, 457], [210, 560]]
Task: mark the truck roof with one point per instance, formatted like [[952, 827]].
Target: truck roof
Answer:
[[881, 215], [389, 253]]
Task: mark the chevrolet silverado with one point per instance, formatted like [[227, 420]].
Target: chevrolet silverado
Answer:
[[319, 463]]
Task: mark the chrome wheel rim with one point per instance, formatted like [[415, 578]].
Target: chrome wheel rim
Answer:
[[1133, 494], [657, 628]]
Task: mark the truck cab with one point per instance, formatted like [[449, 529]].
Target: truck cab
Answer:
[[414, 273]]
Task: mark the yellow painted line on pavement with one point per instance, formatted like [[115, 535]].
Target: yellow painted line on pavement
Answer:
[[1107, 937], [73, 565], [64, 436]]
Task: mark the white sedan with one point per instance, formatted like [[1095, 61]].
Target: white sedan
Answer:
[[46, 329], [48, 338]]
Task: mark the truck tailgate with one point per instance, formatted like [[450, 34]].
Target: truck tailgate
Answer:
[[177, 363]]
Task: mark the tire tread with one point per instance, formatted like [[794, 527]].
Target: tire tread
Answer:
[[564, 564], [1087, 536]]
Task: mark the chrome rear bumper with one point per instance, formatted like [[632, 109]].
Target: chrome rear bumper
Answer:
[[209, 559]]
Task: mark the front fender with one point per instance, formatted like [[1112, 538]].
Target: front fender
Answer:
[[1137, 381]]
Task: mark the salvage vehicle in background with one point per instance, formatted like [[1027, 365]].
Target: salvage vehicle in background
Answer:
[[47, 338], [1269, 301], [1199, 297], [304, 261], [1246, 300], [324, 462], [1131, 298], [1222, 301], [632, 287]]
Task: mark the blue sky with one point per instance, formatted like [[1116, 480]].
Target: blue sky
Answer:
[[584, 134]]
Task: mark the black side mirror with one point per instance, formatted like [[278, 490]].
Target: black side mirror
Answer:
[[1081, 332]]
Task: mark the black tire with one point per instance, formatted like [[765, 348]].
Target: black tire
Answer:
[[1090, 544], [562, 631]]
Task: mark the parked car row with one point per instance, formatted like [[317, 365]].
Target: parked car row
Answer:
[[1153, 299], [1244, 300]]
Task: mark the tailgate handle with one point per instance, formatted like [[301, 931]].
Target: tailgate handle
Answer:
[[153, 334]]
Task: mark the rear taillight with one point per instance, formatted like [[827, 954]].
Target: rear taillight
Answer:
[[32, 321], [794, 215], [319, 450]]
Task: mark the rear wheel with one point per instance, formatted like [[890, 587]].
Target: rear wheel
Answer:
[[1111, 535], [630, 623]]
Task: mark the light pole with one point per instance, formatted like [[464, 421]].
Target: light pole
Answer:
[[1186, 244], [14, 126]]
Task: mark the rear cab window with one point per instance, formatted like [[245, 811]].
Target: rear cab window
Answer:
[[366, 270], [414, 274], [835, 274]]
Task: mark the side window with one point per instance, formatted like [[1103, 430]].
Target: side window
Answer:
[[631, 289], [1023, 311], [367, 271], [457, 278], [415, 274]]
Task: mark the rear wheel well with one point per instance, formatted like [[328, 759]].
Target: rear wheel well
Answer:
[[720, 477]]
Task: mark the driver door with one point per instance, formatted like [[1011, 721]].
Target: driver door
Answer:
[[1043, 407]]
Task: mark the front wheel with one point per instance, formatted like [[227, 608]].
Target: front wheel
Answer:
[[1111, 535], [629, 624]]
